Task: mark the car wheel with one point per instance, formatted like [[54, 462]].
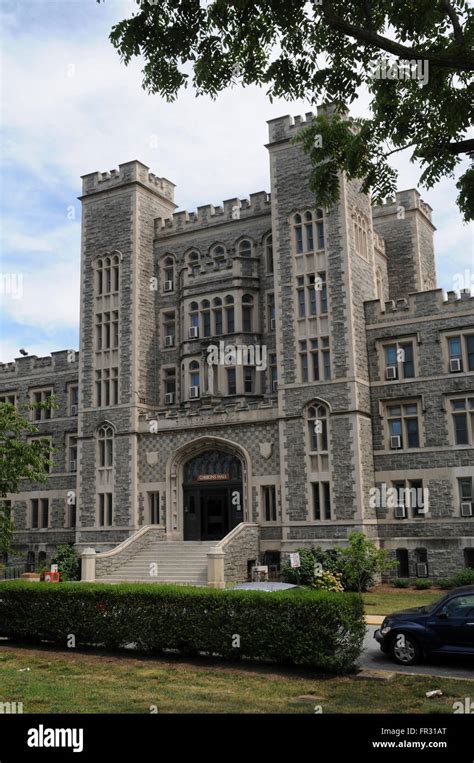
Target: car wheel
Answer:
[[404, 649]]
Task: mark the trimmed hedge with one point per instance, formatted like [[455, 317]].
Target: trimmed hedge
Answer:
[[318, 628]]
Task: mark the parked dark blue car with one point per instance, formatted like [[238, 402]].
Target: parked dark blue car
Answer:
[[444, 627]]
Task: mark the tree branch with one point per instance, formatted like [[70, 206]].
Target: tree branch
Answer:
[[464, 63], [457, 29], [461, 146]]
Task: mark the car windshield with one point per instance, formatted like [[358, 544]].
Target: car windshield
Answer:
[[430, 607]]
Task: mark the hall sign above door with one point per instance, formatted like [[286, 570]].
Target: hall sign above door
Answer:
[[215, 477]]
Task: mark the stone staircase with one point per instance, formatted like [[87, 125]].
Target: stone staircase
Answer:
[[176, 562]]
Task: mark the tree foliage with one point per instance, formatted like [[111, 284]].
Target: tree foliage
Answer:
[[20, 459], [325, 51]]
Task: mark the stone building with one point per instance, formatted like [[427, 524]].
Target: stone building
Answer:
[[252, 378]]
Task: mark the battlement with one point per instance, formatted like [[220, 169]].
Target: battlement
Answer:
[[63, 360], [408, 200], [429, 304], [130, 172], [285, 128], [231, 210]]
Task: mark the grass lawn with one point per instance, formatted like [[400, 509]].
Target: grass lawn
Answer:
[[89, 682], [384, 600]]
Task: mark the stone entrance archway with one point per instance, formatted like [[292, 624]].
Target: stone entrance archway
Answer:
[[207, 509]]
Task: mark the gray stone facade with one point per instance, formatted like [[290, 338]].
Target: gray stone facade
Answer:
[[190, 280]]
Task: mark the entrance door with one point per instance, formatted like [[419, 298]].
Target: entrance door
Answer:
[[214, 514], [192, 515]]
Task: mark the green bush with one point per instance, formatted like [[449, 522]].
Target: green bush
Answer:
[[445, 583], [463, 577], [68, 562], [400, 582], [318, 628], [422, 584]]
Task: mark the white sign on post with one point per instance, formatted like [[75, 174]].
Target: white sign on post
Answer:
[[54, 568], [295, 560]]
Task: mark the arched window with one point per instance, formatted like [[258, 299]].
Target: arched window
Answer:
[[298, 233], [361, 238], [230, 314], [247, 312], [308, 231], [30, 561], [218, 255], [318, 428], [107, 275], [193, 261], [168, 274], [105, 442], [217, 310], [269, 254], [194, 320], [194, 379], [206, 317], [245, 248]]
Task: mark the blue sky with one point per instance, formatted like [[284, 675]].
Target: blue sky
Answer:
[[70, 107]]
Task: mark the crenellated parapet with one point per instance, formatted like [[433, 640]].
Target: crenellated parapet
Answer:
[[206, 216], [62, 360], [285, 128], [403, 202], [130, 172], [420, 304]]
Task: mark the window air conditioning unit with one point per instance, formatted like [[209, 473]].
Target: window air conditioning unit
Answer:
[[274, 386], [272, 323], [169, 340], [422, 570], [466, 509], [391, 372], [395, 441], [193, 392], [169, 398], [400, 512], [73, 410], [454, 365], [72, 465], [168, 286], [193, 332]]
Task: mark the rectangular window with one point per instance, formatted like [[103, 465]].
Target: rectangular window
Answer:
[[248, 380], [299, 239], [403, 425], [154, 508], [465, 489], [10, 398], [73, 400], [321, 500], [105, 509], [323, 293], [71, 465], [309, 237], [273, 372], [463, 420], [303, 361], [231, 381], [408, 368], [301, 298], [44, 512], [38, 398], [230, 320], [34, 512], [247, 318], [218, 321], [320, 233], [269, 502], [206, 323], [312, 295], [455, 353], [470, 352], [271, 312]]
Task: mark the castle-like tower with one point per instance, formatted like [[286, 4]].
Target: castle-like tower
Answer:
[[259, 375]]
